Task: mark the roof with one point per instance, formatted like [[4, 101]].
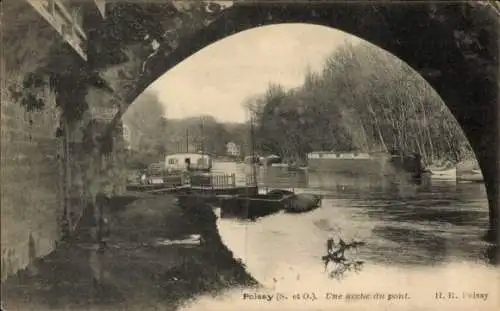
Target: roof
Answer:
[[206, 154]]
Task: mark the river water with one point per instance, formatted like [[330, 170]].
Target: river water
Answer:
[[419, 240]]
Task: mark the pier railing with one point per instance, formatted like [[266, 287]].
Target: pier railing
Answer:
[[250, 180], [204, 181], [174, 180], [213, 181]]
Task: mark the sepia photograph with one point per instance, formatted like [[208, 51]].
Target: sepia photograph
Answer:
[[202, 155]]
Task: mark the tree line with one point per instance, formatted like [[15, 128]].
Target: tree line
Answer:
[[152, 134], [203, 132], [363, 100]]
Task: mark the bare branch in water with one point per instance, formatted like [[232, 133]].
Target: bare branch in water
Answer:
[[336, 256]]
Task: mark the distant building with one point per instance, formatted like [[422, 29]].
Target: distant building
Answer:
[[233, 149], [350, 163], [188, 161]]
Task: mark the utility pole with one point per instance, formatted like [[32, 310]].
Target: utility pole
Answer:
[[254, 173], [202, 138]]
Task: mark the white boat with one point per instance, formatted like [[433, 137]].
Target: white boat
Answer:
[[351, 163], [193, 239], [155, 180], [279, 165], [448, 174], [470, 176], [270, 160]]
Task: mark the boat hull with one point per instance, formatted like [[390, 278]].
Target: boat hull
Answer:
[[253, 207], [472, 176], [450, 174], [304, 203]]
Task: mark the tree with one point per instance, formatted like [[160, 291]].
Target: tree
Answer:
[[147, 123], [364, 99]]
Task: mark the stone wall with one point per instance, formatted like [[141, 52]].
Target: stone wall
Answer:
[[31, 181], [43, 175], [112, 172], [39, 178], [31, 176]]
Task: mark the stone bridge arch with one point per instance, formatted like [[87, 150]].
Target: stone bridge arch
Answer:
[[453, 46]]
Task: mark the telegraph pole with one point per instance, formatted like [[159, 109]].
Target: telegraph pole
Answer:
[[202, 138], [252, 140]]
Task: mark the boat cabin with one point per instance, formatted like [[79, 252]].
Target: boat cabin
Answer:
[[337, 155], [351, 163], [188, 162]]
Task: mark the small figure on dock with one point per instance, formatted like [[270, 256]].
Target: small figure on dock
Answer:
[[103, 229], [143, 178], [95, 265], [104, 232]]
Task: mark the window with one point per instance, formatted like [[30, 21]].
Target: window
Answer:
[[172, 161]]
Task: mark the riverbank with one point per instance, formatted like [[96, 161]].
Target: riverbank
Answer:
[[137, 272]]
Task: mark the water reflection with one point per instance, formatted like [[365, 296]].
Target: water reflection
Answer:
[[404, 223], [418, 238]]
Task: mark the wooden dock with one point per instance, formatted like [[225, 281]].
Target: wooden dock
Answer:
[[199, 184], [214, 181]]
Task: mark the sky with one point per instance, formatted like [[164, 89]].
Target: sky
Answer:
[[217, 79]]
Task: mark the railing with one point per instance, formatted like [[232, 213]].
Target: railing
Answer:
[[224, 181], [174, 181], [251, 180], [213, 181], [204, 181], [101, 6], [65, 20]]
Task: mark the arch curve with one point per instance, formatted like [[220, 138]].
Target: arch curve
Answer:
[[453, 46]]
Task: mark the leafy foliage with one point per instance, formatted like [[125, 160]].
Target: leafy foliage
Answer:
[[364, 100], [203, 132], [152, 135], [146, 122]]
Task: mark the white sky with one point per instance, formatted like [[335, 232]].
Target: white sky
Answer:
[[217, 79]]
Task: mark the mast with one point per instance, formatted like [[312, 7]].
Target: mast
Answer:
[[187, 141], [202, 138], [252, 143], [203, 145]]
